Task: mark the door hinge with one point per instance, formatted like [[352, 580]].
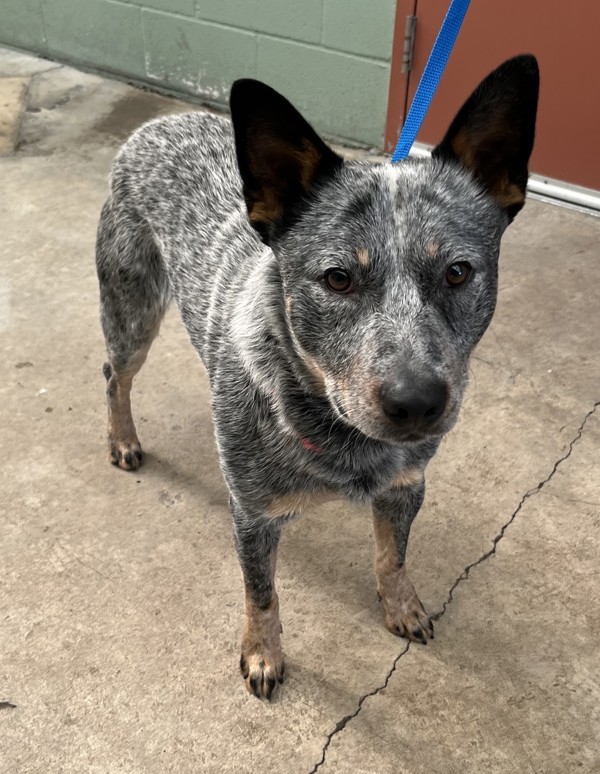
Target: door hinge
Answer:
[[409, 43]]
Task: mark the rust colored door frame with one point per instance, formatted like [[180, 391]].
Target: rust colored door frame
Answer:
[[398, 93]]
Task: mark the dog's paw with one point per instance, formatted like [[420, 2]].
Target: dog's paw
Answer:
[[262, 672], [127, 456], [410, 620], [405, 615], [261, 661]]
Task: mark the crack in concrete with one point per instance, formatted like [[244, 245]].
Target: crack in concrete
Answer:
[[341, 724], [530, 493]]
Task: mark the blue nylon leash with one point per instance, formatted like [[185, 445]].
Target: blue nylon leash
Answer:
[[442, 48]]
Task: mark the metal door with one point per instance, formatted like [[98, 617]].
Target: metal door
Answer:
[[564, 38]]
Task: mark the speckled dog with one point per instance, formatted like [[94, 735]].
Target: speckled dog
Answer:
[[334, 304]]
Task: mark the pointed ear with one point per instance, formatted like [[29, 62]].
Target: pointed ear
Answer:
[[492, 135], [280, 156]]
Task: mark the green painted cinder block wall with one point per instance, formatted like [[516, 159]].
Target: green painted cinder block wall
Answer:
[[330, 57]]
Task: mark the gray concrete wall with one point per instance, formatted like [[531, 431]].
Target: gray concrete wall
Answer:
[[330, 57]]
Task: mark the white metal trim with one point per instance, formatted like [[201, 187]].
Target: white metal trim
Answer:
[[547, 188]]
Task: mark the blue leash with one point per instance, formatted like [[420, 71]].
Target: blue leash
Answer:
[[444, 43]]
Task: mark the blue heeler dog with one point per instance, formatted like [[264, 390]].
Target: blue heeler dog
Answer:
[[334, 304]]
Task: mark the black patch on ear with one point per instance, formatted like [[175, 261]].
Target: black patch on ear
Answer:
[[492, 134], [280, 156]]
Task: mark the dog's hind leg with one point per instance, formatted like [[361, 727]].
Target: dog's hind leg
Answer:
[[134, 294]]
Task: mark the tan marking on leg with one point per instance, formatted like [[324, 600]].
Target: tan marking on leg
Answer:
[[124, 446], [261, 661], [296, 502], [363, 256], [406, 478], [404, 612], [120, 420]]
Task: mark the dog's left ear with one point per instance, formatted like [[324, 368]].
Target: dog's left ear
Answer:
[[280, 156], [492, 135]]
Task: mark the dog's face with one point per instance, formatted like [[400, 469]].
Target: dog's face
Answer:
[[389, 281], [389, 272]]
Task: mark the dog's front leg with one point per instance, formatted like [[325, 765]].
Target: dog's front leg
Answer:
[[261, 661], [393, 514]]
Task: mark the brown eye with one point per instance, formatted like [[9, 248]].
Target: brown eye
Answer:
[[458, 273], [338, 280]]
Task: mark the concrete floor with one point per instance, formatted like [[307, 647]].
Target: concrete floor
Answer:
[[121, 596]]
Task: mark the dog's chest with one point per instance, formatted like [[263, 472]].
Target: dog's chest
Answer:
[[361, 487], [362, 472]]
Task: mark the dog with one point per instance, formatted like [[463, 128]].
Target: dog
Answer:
[[334, 304]]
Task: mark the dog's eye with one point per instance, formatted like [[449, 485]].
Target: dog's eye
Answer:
[[338, 280], [458, 273]]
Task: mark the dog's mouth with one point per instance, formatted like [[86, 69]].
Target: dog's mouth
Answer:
[[415, 437], [391, 434]]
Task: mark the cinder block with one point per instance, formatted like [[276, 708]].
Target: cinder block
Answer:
[[97, 32], [296, 19], [184, 7], [195, 56], [360, 27], [341, 95], [22, 24]]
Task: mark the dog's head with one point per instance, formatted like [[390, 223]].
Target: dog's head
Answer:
[[389, 272]]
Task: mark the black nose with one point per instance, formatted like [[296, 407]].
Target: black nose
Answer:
[[414, 403]]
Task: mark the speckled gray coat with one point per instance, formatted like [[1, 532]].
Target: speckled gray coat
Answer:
[[335, 306]]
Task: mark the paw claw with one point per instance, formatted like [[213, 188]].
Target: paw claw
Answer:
[[243, 667], [261, 674], [405, 614], [127, 456], [271, 683], [254, 686]]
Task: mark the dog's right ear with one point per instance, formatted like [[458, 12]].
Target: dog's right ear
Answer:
[[280, 156], [492, 135]]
